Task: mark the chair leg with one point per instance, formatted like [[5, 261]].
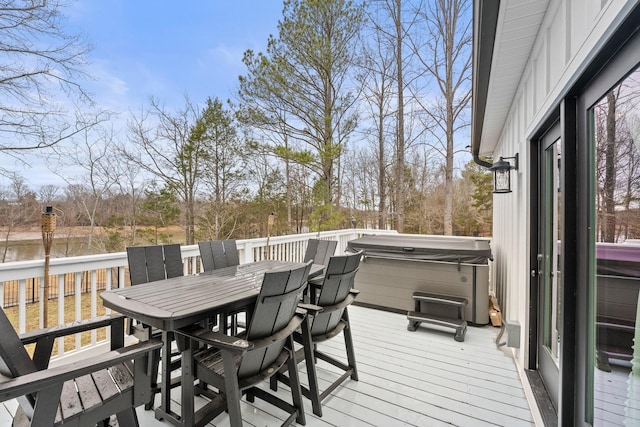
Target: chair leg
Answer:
[[234, 324], [187, 383], [154, 362], [348, 342], [310, 361], [232, 390], [273, 382], [294, 383], [127, 417]]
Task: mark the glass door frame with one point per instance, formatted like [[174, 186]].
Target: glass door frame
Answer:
[[554, 408], [548, 252]]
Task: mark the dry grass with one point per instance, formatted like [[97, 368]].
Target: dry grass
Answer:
[[33, 317]]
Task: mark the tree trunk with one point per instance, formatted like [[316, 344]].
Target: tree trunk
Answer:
[[400, 128], [610, 172], [382, 184]]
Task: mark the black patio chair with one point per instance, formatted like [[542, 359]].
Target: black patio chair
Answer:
[[80, 394], [236, 365], [318, 251], [216, 254], [150, 264], [326, 320]]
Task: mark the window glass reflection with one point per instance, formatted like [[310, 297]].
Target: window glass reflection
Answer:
[[616, 132]]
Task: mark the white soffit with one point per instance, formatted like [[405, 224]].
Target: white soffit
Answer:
[[517, 29]]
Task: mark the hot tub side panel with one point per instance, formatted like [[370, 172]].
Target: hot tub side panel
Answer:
[[390, 283]]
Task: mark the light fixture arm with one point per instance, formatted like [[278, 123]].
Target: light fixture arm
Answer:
[[515, 158]]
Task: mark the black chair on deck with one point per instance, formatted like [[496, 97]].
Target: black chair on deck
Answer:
[[327, 319], [150, 264], [80, 394], [216, 254], [319, 251], [235, 365]]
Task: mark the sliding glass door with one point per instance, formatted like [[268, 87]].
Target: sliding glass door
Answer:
[[614, 137]]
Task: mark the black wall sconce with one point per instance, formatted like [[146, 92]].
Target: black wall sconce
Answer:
[[502, 174]]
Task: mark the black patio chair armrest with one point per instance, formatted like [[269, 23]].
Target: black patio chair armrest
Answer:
[[42, 380], [350, 298], [291, 327], [71, 328], [310, 308], [216, 339], [44, 338]]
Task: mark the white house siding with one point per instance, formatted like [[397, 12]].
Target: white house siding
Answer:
[[570, 34]]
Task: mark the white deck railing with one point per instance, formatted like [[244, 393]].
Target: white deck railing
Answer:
[[84, 274]]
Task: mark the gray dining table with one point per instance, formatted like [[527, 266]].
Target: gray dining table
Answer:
[[174, 303]]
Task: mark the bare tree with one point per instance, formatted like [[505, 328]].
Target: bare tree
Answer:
[[396, 14], [14, 209], [379, 64], [267, 116], [162, 144], [131, 183], [446, 54], [48, 193], [87, 165], [40, 76]]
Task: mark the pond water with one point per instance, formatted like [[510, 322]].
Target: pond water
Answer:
[[24, 250]]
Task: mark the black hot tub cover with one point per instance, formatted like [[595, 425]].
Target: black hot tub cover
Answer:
[[467, 250]]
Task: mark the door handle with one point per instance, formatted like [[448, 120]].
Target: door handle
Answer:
[[538, 272]]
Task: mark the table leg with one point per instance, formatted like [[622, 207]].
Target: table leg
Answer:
[[188, 389], [165, 403], [163, 412]]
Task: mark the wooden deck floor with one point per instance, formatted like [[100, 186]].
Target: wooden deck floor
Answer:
[[421, 378]]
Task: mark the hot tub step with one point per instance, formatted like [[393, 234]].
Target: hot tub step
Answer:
[[459, 325], [418, 316]]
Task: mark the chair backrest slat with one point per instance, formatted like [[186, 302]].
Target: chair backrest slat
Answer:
[[312, 248], [173, 260], [276, 304], [137, 265], [206, 256], [14, 359], [338, 282], [231, 252], [154, 258]]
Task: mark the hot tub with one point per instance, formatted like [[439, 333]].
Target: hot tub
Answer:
[[394, 266]]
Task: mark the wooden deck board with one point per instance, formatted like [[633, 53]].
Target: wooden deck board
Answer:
[[421, 378]]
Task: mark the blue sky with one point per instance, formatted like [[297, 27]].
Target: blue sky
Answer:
[[160, 48], [168, 48]]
